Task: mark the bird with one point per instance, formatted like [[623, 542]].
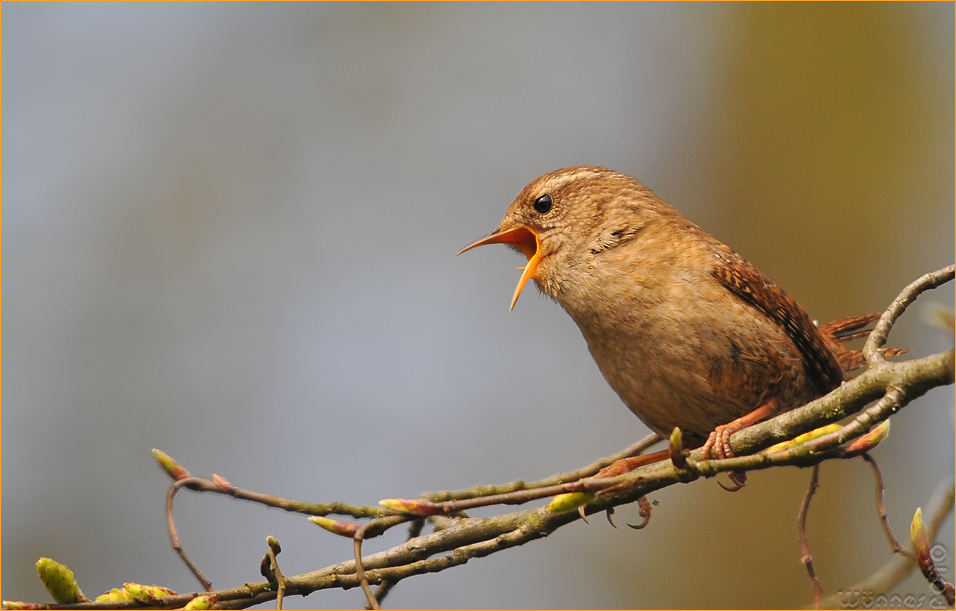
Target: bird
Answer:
[[688, 333]]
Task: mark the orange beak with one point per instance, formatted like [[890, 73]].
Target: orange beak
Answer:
[[524, 240]]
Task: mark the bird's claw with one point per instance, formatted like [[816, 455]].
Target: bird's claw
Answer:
[[738, 481], [645, 512], [718, 446]]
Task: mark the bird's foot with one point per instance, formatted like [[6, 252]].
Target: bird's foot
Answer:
[[718, 446], [718, 442]]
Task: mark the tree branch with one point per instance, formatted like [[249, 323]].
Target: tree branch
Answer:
[[938, 508], [456, 539]]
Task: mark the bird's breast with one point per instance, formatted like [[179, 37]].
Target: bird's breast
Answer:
[[672, 354]]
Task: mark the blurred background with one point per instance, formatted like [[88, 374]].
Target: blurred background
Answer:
[[229, 232]]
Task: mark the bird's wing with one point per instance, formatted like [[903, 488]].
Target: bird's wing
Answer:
[[746, 281]]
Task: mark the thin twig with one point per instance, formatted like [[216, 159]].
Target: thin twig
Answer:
[[461, 539], [554, 480], [218, 485], [881, 507], [917, 376], [924, 558], [938, 509], [174, 536], [877, 338], [805, 556], [372, 602], [275, 571], [414, 530], [469, 538], [890, 381], [866, 420]]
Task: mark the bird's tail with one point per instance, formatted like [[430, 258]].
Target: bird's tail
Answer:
[[837, 332]]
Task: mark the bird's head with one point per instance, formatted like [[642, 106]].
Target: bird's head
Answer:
[[562, 217]]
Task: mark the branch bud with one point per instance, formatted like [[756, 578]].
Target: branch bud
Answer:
[[417, 507], [59, 581], [147, 594], [206, 601], [222, 483], [676, 448], [169, 466], [918, 533], [805, 437], [114, 594], [869, 441], [20, 605], [336, 527], [569, 500]]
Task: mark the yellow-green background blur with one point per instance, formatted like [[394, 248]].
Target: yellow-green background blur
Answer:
[[229, 232]]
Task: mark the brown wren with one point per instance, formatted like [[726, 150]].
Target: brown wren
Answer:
[[687, 332]]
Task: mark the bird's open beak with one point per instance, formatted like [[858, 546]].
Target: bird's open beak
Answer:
[[524, 240]]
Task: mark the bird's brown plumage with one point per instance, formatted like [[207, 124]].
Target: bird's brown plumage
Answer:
[[686, 331]]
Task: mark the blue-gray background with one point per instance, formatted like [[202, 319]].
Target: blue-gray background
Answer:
[[229, 233]]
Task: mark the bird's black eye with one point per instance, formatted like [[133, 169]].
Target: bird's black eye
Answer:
[[543, 204]]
